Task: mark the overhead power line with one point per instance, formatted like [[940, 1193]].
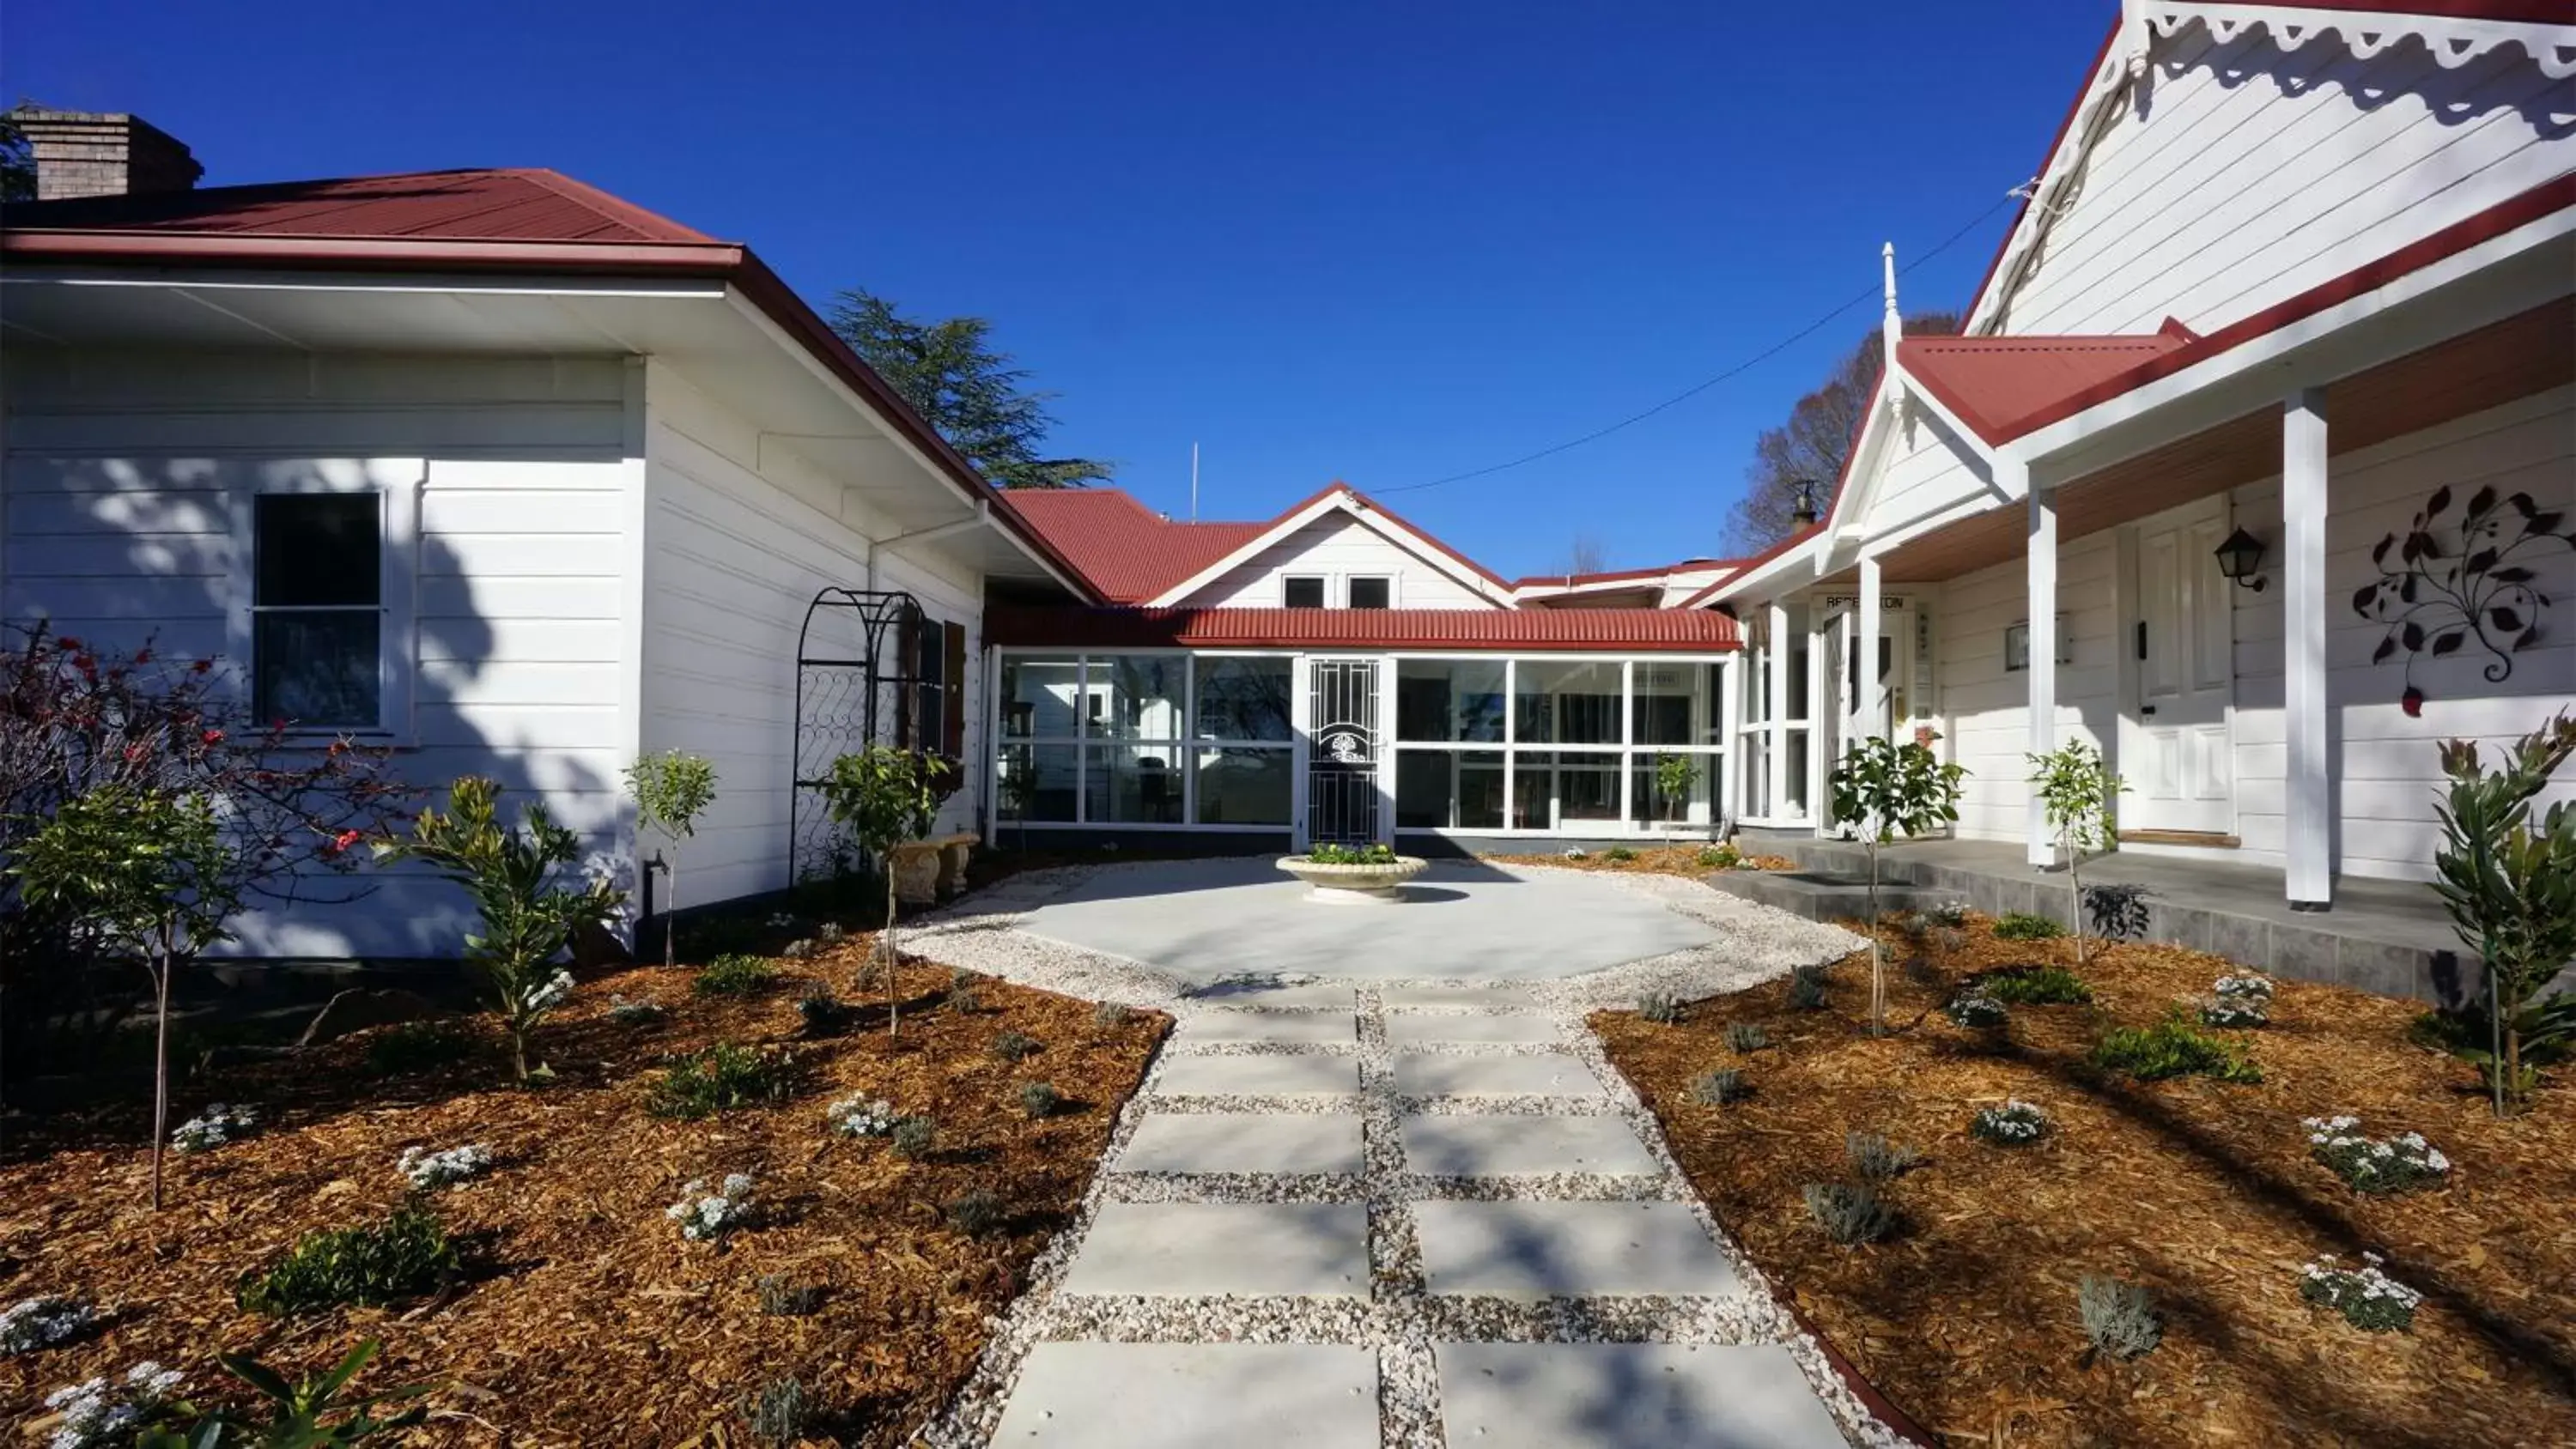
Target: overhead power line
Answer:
[[1871, 294]]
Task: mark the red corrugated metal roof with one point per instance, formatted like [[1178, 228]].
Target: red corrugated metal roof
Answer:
[[1129, 552], [517, 204], [1997, 384], [1615, 631]]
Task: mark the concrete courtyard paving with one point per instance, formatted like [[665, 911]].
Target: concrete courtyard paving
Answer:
[[1226, 919], [1405, 1206]]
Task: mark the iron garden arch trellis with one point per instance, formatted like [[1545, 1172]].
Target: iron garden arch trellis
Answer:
[[855, 685]]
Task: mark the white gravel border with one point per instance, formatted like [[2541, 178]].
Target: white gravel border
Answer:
[[1400, 1321]]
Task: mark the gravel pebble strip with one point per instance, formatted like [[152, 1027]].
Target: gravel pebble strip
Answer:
[[1401, 1322], [1188, 1105]]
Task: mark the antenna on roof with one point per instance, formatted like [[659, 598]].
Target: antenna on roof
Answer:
[[1194, 482]]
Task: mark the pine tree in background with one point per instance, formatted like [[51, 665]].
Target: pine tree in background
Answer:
[[952, 376]]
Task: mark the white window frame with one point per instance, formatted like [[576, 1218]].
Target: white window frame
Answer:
[[1323, 590], [1086, 738], [397, 483], [1387, 579]]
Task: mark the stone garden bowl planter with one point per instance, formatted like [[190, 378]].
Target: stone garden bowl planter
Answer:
[[1355, 884]]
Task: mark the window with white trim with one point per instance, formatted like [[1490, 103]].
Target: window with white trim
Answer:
[[1302, 591], [318, 626], [1368, 591]]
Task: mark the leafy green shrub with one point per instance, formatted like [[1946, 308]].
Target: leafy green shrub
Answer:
[[975, 1214], [305, 1415], [2174, 1047], [1850, 1213], [2024, 926], [1746, 1037], [1112, 1013], [2506, 873], [2035, 986], [913, 1137], [1886, 790], [823, 1014], [720, 1078], [405, 1256], [734, 974], [1719, 857], [1807, 988], [1720, 1087], [417, 1046], [1327, 853], [2120, 1320], [1040, 1099], [1619, 853], [782, 1297], [2369, 1300], [670, 791], [1012, 1046], [1660, 1007], [1874, 1159], [781, 1413]]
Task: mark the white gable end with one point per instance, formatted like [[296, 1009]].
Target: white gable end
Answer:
[[1338, 547], [2234, 173]]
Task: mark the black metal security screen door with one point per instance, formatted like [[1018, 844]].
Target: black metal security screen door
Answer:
[[1341, 753]]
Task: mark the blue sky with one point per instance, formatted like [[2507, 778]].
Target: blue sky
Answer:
[[1379, 243]]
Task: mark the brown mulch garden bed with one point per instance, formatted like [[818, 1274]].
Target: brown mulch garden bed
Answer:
[[1682, 860], [2203, 1192], [583, 1316]]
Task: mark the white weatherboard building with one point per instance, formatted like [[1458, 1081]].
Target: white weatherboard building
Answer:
[[2256, 466]]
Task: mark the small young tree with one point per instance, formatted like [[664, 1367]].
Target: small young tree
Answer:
[[2508, 878], [148, 872], [1674, 777], [2075, 791], [530, 916], [885, 796], [670, 791], [1886, 790]]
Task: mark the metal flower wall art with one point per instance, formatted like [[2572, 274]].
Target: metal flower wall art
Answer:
[[2469, 583]]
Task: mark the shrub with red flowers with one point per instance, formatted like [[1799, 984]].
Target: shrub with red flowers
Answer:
[[76, 719]]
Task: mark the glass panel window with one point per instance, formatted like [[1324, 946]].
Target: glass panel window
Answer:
[[1449, 700], [1795, 706], [1690, 803], [316, 623], [1793, 779], [1676, 704], [1243, 699], [1449, 789], [1135, 696], [1243, 787], [1037, 782], [1132, 784], [1372, 593], [1564, 789], [1566, 703], [1038, 693], [1302, 591]]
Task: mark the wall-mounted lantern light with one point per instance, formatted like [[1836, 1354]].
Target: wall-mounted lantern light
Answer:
[[2239, 558], [1802, 501]]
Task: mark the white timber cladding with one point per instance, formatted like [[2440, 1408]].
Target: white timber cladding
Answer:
[[1925, 469], [741, 533], [1985, 705], [124, 472], [1339, 547], [2236, 173], [2385, 769]]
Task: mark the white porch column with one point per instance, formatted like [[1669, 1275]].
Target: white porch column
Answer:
[[2041, 676], [1775, 743], [1871, 705], [2309, 878]]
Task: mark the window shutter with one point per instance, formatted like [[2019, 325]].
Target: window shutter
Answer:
[[954, 682]]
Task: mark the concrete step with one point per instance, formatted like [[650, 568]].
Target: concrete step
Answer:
[[1823, 894]]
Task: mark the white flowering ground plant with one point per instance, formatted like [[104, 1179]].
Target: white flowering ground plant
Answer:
[[1976, 1011], [2375, 1165], [106, 1413], [428, 1170], [2239, 1013], [212, 1128], [706, 1217], [2367, 1298], [2244, 987], [39, 1323], [859, 1115], [2014, 1124]]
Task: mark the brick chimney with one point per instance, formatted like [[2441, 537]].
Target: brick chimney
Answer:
[[82, 153]]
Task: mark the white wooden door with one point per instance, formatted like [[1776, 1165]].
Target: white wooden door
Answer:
[[2180, 757]]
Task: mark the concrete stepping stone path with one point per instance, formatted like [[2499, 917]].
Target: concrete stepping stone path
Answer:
[[1401, 1216]]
